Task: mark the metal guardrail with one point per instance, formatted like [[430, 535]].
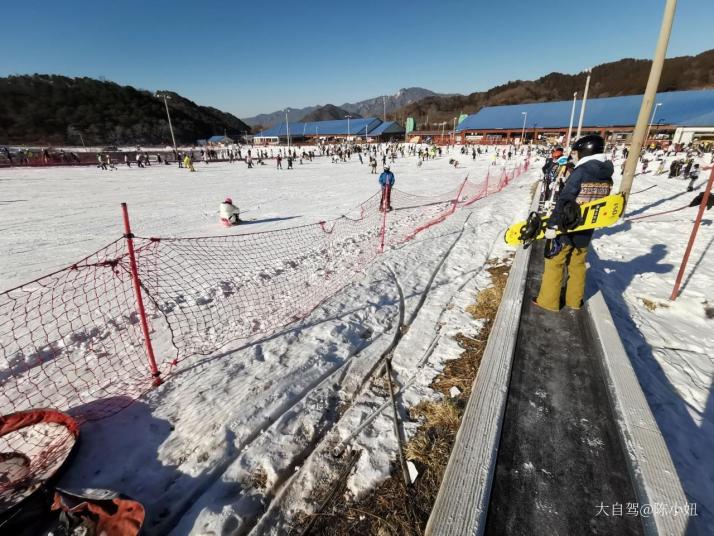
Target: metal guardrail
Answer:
[[652, 472]]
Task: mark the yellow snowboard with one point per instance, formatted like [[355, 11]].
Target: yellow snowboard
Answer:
[[593, 215]]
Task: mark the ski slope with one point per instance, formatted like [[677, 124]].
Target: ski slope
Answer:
[[241, 440]]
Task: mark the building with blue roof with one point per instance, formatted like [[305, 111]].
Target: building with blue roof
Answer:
[[387, 130], [677, 112], [365, 128]]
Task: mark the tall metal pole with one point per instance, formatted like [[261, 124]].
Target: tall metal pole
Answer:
[[348, 126], [648, 98], [171, 128], [582, 106], [287, 129], [523, 131], [453, 133], [572, 116], [384, 102], [647, 136]]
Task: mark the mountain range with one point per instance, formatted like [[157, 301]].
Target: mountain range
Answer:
[[52, 109], [623, 77], [374, 107], [328, 112]]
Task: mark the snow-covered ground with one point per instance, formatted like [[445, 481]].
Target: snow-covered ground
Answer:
[[241, 439], [210, 449]]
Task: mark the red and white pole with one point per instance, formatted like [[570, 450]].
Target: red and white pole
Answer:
[[693, 236], [139, 300]]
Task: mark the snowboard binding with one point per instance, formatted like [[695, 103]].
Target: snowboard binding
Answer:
[[530, 230], [571, 217]]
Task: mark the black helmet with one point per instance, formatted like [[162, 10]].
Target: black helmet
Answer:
[[587, 145]]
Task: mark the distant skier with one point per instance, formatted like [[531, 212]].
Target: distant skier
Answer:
[[230, 214], [660, 168], [693, 176], [386, 181], [188, 162], [550, 170]]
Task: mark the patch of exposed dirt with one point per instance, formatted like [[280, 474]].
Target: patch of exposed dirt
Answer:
[[392, 508]]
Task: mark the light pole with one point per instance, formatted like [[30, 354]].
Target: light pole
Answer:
[[287, 128], [659, 124], [348, 116], [647, 136], [582, 107], [523, 130], [384, 102], [443, 127], [453, 133], [572, 116], [168, 115]]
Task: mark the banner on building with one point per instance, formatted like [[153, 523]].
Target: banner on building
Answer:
[[410, 124]]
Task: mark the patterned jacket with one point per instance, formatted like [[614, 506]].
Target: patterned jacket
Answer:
[[591, 180]]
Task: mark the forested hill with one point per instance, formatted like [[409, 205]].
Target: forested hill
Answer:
[[623, 77], [51, 109]]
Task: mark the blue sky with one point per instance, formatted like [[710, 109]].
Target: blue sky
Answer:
[[252, 57]]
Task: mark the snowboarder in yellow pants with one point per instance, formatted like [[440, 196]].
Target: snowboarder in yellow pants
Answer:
[[549, 295], [188, 163], [591, 180]]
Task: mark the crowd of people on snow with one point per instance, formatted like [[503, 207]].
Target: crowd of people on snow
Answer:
[[27, 157]]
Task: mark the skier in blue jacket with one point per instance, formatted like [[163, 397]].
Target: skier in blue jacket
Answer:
[[386, 181]]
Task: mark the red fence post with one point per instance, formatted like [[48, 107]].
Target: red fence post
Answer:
[[384, 205], [139, 300], [693, 236], [458, 194]]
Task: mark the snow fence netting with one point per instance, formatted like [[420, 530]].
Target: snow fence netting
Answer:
[[72, 340]]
